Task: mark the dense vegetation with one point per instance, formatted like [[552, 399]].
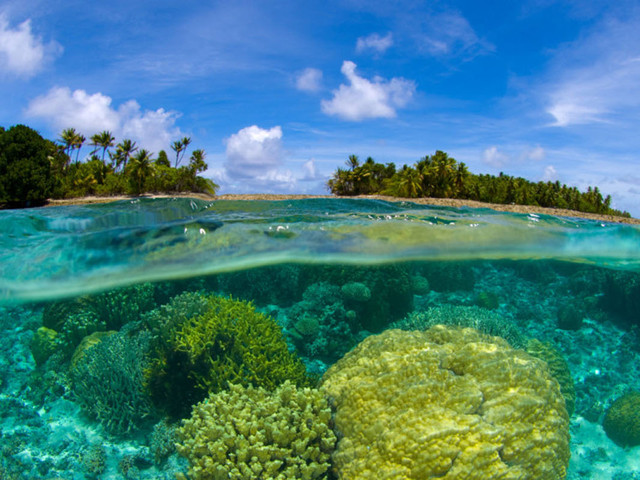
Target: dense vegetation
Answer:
[[441, 176], [33, 169]]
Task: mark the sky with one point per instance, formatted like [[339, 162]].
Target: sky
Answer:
[[279, 93]]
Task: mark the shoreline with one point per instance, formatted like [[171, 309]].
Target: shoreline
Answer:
[[440, 202]]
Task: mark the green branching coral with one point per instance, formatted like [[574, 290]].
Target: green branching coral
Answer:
[[251, 433], [622, 420], [320, 325], [558, 367], [107, 381], [122, 305], [229, 342], [162, 321], [486, 321]]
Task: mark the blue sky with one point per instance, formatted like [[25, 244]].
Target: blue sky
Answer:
[[280, 92]]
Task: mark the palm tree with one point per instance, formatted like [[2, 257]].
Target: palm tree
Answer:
[[104, 140], [67, 137], [180, 147], [353, 162], [406, 183], [140, 168], [197, 163], [77, 144], [124, 150], [460, 179]]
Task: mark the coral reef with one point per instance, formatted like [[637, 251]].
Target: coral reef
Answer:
[[229, 342], [420, 285], [622, 420], [558, 367], [356, 292], [76, 327], [320, 326], [122, 305], [43, 344], [391, 290], [446, 403], [251, 433], [162, 441], [107, 381], [486, 321]]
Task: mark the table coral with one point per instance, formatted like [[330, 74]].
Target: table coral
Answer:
[[251, 433], [446, 403]]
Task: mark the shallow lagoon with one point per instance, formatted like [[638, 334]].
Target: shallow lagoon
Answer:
[[329, 272]]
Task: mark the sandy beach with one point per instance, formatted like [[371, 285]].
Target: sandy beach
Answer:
[[444, 202]]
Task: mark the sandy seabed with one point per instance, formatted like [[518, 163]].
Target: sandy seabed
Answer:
[[442, 202]]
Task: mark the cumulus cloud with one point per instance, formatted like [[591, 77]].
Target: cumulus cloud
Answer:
[[254, 151], [309, 80], [21, 52], [492, 156], [375, 43], [92, 113], [256, 161], [363, 99]]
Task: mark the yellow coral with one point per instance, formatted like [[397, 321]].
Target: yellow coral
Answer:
[[446, 403], [251, 433]]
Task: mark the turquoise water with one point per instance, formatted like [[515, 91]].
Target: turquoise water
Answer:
[[329, 273]]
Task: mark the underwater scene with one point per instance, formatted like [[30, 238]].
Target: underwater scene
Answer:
[[319, 338]]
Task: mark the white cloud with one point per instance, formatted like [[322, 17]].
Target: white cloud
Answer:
[[256, 162], [492, 156], [597, 79], [363, 98], [254, 152], [92, 113], [550, 174], [375, 43], [22, 53], [309, 80]]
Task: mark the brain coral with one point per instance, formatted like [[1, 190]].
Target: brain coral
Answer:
[[251, 433], [446, 403], [622, 420]]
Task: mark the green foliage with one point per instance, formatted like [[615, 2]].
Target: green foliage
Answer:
[[229, 342], [33, 169], [26, 161], [441, 176], [107, 381]]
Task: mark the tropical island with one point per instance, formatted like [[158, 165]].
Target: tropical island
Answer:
[[440, 176], [36, 171]]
